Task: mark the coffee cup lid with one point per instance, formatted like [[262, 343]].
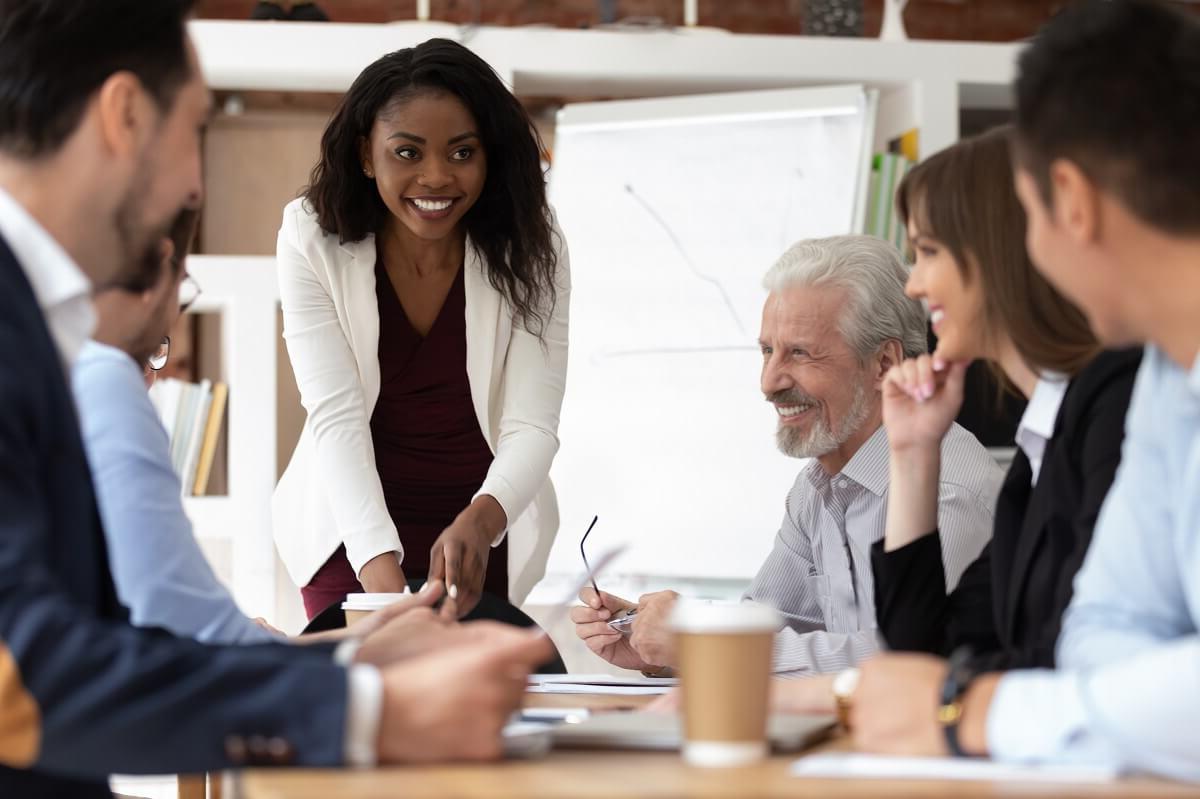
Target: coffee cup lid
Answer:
[[694, 616], [370, 601]]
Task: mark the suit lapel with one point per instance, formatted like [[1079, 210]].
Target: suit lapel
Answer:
[[68, 447], [361, 312], [1011, 511], [488, 331], [1038, 507]]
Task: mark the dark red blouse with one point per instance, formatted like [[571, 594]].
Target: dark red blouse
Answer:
[[429, 450]]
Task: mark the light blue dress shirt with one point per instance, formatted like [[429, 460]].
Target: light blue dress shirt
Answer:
[[1128, 689], [161, 574]]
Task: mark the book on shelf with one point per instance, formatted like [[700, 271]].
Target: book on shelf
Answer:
[[887, 170], [212, 431], [192, 415]]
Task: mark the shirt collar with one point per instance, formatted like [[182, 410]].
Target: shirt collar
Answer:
[[1194, 377], [868, 466], [1042, 410], [62, 290]]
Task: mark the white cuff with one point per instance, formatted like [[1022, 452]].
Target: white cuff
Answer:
[[498, 489], [344, 653], [363, 545], [364, 708], [359, 567], [1035, 716]]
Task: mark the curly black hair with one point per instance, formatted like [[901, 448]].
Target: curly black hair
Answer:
[[510, 224]]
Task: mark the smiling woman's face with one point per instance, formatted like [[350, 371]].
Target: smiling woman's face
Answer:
[[428, 163], [955, 305]]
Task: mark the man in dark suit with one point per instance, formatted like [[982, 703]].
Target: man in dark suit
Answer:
[[101, 112]]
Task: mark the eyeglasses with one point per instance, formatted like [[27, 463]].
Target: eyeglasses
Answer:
[[583, 554], [159, 359], [189, 292], [621, 621]]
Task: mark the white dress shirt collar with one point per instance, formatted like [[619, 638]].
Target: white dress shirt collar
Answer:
[[1037, 423], [867, 467], [62, 290]]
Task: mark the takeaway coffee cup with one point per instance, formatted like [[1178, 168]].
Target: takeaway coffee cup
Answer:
[[359, 606], [725, 669]]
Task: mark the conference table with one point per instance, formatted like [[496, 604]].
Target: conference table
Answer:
[[639, 775]]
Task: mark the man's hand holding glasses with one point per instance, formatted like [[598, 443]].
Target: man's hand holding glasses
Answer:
[[609, 625]]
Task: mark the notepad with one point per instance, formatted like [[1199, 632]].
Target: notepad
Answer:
[[606, 684], [861, 766], [605, 690], [602, 679]]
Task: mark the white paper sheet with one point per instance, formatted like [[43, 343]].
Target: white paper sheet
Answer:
[[610, 690], [862, 766], [602, 679]]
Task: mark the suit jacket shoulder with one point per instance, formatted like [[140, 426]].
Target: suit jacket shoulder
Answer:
[[110, 697]]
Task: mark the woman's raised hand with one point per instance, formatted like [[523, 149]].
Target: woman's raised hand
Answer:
[[921, 398]]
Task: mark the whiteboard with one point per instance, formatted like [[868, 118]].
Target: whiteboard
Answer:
[[673, 210]]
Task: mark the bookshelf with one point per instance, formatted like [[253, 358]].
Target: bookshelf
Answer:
[[244, 292]]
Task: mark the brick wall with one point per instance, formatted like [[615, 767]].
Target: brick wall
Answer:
[[985, 20]]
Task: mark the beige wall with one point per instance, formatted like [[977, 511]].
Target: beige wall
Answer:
[[255, 163]]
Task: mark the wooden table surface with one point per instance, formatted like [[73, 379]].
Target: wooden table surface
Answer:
[[639, 775]]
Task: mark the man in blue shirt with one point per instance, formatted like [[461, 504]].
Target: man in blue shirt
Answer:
[[1108, 116], [160, 572]]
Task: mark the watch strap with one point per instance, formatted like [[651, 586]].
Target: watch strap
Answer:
[[959, 675]]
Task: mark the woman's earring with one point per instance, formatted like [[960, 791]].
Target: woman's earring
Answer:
[[370, 175]]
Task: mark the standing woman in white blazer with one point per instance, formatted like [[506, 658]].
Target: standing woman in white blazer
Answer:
[[425, 290]]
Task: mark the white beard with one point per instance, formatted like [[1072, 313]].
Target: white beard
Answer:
[[821, 439]]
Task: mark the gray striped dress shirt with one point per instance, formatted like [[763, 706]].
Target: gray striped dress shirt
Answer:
[[819, 573]]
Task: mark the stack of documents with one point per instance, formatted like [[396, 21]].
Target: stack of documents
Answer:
[[599, 684]]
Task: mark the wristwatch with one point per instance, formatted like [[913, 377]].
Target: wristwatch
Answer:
[[844, 685], [959, 675]]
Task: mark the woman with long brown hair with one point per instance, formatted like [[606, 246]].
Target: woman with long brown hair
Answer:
[[986, 301]]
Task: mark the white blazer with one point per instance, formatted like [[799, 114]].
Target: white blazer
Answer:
[[330, 493]]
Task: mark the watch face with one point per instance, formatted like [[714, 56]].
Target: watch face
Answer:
[[950, 714], [844, 683]]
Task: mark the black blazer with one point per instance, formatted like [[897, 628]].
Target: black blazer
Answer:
[[1009, 603], [87, 692]]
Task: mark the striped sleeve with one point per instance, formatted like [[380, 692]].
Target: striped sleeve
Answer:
[[969, 486]]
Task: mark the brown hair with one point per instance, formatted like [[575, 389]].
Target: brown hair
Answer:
[[963, 196]]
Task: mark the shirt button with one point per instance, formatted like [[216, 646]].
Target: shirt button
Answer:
[[257, 746], [279, 752], [235, 749]]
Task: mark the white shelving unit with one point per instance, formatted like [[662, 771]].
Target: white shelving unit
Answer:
[[244, 291], [921, 84]]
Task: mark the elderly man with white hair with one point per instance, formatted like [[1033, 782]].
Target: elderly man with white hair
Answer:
[[835, 321]]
